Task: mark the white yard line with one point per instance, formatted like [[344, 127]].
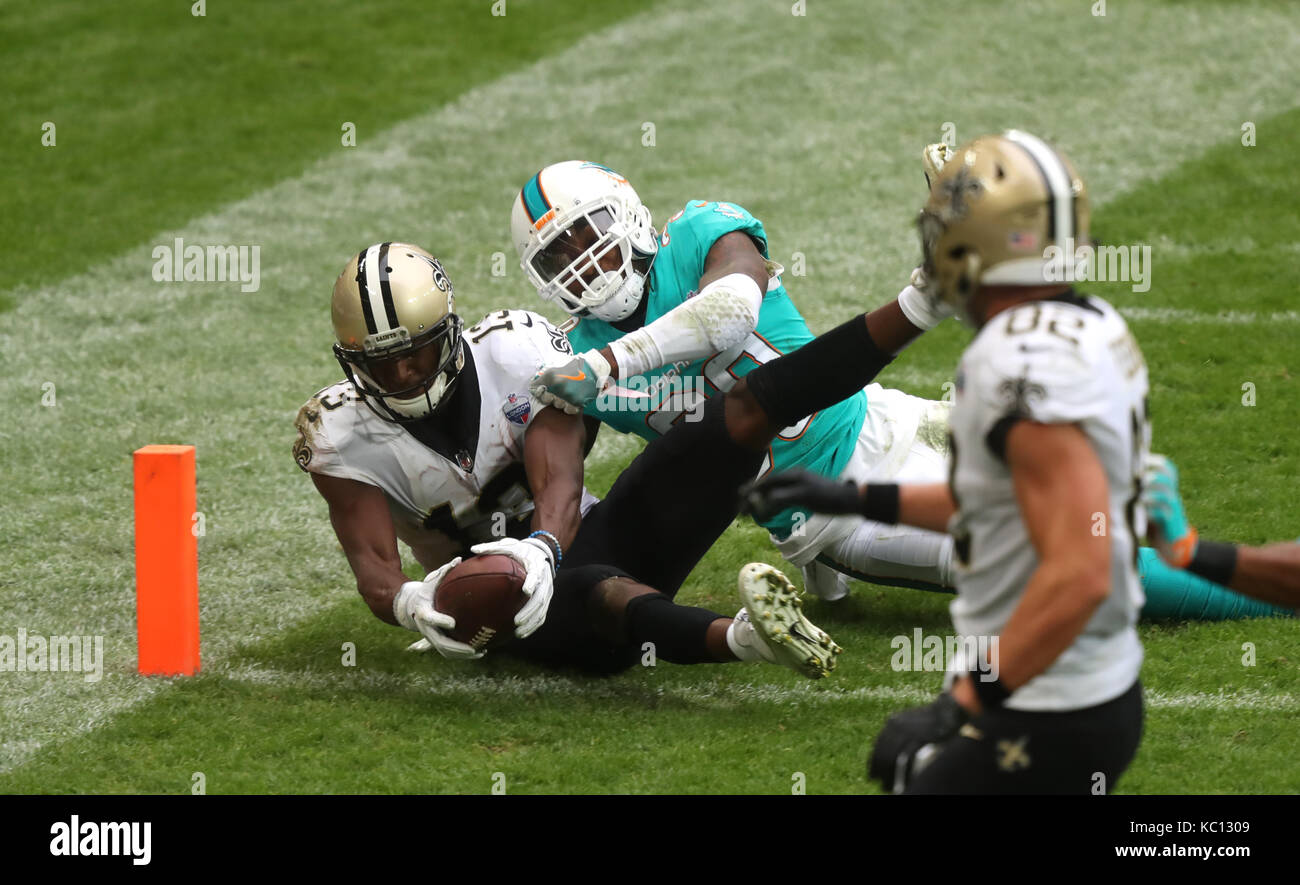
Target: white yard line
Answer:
[[723, 694], [816, 134], [1219, 318]]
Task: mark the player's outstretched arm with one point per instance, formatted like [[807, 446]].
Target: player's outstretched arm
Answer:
[[1269, 573], [364, 526], [725, 310], [1060, 485], [890, 328], [553, 450], [897, 324], [923, 505], [362, 522], [926, 505]]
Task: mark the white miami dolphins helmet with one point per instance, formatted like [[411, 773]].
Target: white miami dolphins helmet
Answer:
[[578, 228]]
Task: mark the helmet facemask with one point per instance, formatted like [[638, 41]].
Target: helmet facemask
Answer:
[[585, 261], [952, 277], [439, 356]]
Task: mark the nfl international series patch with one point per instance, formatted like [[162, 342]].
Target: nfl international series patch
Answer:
[[517, 408]]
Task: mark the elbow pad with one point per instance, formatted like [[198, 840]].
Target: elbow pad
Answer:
[[719, 317]]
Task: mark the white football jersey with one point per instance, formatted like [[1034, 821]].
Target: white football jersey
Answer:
[[443, 503], [1068, 360]]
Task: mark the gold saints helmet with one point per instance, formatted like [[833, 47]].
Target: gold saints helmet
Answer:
[[398, 337], [1006, 210]]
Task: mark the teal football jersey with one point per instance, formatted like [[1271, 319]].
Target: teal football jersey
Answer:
[[822, 443]]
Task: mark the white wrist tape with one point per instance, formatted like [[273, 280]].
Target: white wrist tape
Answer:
[[402, 605], [922, 310], [599, 365], [720, 316]]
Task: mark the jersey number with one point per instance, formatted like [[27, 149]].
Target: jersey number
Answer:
[[1018, 323], [1141, 431], [504, 492], [720, 371], [478, 332]]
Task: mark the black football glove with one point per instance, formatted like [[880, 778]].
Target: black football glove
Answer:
[[766, 497], [908, 741]]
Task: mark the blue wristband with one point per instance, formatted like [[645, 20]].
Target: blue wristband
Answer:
[[555, 543]]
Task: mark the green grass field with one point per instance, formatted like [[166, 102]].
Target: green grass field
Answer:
[[226, 129]]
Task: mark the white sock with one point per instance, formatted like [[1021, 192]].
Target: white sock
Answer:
[[744, 641]]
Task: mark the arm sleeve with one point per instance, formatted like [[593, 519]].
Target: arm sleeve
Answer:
[[720, 316]]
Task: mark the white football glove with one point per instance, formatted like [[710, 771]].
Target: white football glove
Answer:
[[923, 310], [538, 560], [413, 608]]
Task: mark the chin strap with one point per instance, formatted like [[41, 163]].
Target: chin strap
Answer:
[[623, 303]]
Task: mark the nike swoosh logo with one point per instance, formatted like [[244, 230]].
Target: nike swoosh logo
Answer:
[[573, 377], [797, 632]]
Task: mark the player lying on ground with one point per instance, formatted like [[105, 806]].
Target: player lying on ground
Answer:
[[435, 439], [1269, 573], [1049, 433], [682, 314]]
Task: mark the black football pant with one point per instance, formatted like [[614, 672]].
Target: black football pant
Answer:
[[1079, 751], [678, 496], [670, 505], [662, 515]]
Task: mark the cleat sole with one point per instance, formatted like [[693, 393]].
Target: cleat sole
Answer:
[[797, 642]]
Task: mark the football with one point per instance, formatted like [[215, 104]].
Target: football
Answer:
[[483, 594]]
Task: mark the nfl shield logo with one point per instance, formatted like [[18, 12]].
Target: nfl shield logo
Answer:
[[516, 408]]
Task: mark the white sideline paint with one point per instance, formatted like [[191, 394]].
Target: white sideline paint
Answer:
[[447, 176], [421, 681], [1222, 318]]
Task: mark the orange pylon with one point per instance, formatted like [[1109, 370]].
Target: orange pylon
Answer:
[[166, 561]]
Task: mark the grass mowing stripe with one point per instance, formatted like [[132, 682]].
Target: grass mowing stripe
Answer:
[[165, 114], [1218, 327]]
